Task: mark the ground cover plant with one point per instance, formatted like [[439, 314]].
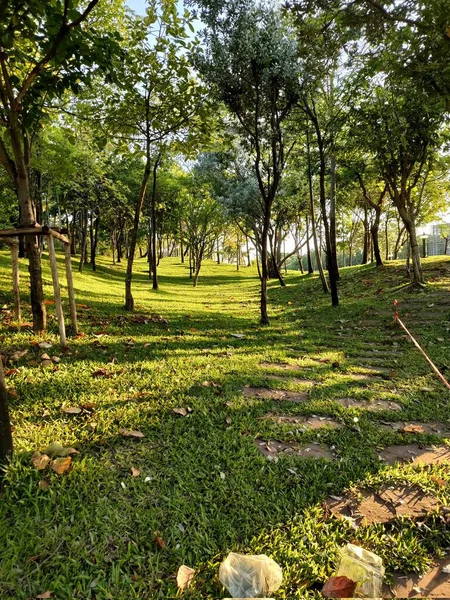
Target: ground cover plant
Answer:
[[157, 413]]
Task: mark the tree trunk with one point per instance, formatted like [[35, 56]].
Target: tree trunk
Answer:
[[264, 268], [317, 248], [84, 236], [308, 249], [365, 257], [238, 252], [153, 209], [249, 264], [386, 234], [129, 300], [27, 219], [375, 242], [333, 245]]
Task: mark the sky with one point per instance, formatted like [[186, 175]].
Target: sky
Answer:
[[137, 5]]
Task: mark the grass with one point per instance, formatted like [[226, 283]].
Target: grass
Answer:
[[204, 487]]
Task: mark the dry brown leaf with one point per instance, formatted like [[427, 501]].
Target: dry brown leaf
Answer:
[[12, 392], [61, 465], [10, 372], [413, 429], [71, 410], [89, 406], [339, 587], [180, 411], [131, 433], [101, 373], [56, 359], [46, 594], [46, 363], [135, 472], [45, 356], [159, 541], [43, 485], [185, 576], [40, 461], [438, 480]]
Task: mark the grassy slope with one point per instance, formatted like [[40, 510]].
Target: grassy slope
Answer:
[[89, 536]]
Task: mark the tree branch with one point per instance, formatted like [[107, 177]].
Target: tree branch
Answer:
[[51, 52]]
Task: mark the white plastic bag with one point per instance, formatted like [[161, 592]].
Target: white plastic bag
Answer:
[[364, 567], [248, 576]]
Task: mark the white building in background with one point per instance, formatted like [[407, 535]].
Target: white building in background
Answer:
[[435, 241]]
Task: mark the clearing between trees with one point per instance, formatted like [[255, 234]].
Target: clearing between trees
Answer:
[[183, 431]]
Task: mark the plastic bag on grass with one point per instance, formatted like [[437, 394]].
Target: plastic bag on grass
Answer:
[[249, 576], [363, 567]]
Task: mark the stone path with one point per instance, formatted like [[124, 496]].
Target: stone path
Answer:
[[434, 584]]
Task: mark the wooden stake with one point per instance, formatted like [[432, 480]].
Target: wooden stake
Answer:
[[56, 290], [15, 274], [73, 308], [432, 365]]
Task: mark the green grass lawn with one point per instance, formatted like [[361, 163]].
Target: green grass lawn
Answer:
[[204, 487]]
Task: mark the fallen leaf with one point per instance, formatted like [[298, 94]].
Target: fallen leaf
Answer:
[[46, 363], [57, 449], [339, 587], [101, 373], [446, 569], [71, 410], [60, 465], [45, 345], [10, 372], [89, 406], [131, 433], [40, 461], [12, 392], [412, 429], [49, 302], [228, 420], [43, 485], [18, 354], [56, 359], [46, 594], [184, 577], [437, 480], [240, 336], [180, 411], [135, 472], [159, 541]]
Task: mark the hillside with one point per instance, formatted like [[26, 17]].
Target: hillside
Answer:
[[284, 430]]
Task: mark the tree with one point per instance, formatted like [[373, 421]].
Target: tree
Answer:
[[44, 50], [251, 63], [401, 125], [203, 220], [157, 101]]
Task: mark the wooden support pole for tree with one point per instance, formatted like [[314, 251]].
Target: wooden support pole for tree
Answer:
[[56, 290], [73, 308], [15, 274]]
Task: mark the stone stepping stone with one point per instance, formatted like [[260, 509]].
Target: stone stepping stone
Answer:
[[285, 366], [414, 427], [295, 380], [280, 395], [313, 422], [363, 377], [431, 455], [383, 506], [373, 359], [382, 371], [377, 406], [273, 449], [434, 584]]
